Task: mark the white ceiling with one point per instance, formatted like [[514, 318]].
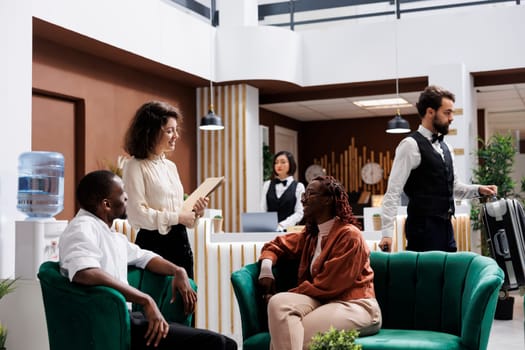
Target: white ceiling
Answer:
[[505, 105], [491, 98]]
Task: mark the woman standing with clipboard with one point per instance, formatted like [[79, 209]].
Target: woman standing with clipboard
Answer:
[[155, 192]]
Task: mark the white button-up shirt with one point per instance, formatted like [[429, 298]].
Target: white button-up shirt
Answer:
[[407, 158], [88, 242]]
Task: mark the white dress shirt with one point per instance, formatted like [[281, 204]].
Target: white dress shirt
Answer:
[[279, 190], [88, 242], [407, 157]]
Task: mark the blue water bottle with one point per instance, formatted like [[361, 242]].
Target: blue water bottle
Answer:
[[40, 184]]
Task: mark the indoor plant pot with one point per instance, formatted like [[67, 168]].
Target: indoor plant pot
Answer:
[[217, 222]]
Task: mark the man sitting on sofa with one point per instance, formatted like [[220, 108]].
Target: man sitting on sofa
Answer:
[[91, 253]]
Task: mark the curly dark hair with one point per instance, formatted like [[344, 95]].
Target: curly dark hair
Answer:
[[432, 97], [341, 208], [144, 130]]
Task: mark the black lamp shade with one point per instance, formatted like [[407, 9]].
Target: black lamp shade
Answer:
[[211, 121], [398, 125]]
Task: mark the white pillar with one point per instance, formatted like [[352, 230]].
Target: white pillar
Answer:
[[456, 79], [16, 40], [238, 13]]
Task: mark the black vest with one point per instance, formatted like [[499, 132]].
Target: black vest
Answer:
[[430, 187], [284, 206]]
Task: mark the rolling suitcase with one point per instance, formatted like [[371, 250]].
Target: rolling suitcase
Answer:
[[504, 223]]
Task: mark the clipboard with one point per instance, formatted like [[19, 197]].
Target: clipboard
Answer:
[[204, 190]]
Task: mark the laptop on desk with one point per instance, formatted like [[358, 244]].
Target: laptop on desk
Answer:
[[259, 222]]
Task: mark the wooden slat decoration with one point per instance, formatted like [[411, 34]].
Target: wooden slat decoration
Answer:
[[346, 167]]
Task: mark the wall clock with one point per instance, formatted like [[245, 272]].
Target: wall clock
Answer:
[[371, 173], [312, 171]]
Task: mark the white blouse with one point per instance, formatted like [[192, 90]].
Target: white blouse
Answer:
[[155, 193]]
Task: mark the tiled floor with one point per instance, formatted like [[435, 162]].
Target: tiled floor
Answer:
[[509, 334]]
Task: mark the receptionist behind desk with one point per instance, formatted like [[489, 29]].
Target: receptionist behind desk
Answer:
[[282, 193]]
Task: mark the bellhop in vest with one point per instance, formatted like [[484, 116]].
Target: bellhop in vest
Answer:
[[423, 169], [430, 186]]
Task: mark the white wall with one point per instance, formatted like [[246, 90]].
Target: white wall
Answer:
[[347, 51], [158, 30], [476, 37], [15, 117]]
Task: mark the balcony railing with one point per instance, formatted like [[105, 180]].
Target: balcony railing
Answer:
[[294, 13]]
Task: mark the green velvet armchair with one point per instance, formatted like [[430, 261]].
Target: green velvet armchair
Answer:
[[86, 318], [430, 300]]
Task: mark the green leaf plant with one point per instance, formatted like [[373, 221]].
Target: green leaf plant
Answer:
[[335, 339], [6, 286], [495, 163]]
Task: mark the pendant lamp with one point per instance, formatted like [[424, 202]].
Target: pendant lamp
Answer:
[[398, 124], [211, 121]]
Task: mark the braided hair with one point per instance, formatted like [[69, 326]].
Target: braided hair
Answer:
[[341, 208]]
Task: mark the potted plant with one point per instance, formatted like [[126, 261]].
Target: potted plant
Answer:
[[376, 221], [217, 221], [115, 167], [3, 336], [6, 286], [267, 163], [496, 160], [335, 339]]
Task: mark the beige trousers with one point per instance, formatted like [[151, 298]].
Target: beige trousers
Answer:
[[293, 319]]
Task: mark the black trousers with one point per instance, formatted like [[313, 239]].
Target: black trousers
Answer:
[[179, 337], [173, 246], [430, 233]]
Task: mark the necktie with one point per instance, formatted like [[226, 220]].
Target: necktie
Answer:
[[277, 181], [439, 138]]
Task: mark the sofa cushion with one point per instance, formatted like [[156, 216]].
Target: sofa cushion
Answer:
[[410, 339]]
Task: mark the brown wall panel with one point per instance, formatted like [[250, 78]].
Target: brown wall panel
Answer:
[[53, 130], [317, 139], [111, 93], [320, 138]]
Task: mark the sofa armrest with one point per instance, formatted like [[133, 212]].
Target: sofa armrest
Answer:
[[174, 312], [81, 317], [159, 288], [483, 283], [244, 283]]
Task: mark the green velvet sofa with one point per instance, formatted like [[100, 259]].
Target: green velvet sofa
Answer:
[[86, 318], [430, 300]]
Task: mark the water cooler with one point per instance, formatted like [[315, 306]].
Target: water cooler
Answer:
[[40, 197]]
